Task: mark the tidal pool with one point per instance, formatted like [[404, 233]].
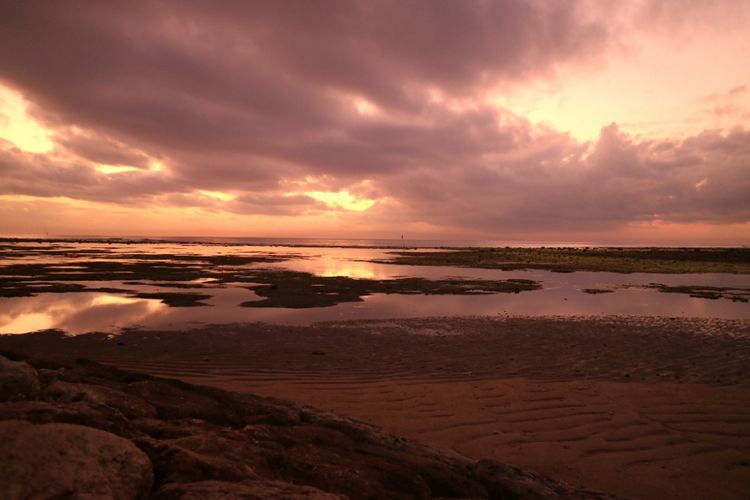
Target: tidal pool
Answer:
[[113, 304]]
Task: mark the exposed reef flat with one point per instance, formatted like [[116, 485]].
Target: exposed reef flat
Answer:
[[608, 259], [28, 269], [175, 299], [707, 292], [277, 287], [294, 289]]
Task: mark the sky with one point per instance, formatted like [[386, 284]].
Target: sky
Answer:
[[611, 122]]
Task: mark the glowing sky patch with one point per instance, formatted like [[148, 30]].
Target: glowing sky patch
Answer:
[[18, 127], [656, 88], [115, 169], [342, 199], [216, 195], [365, 107]]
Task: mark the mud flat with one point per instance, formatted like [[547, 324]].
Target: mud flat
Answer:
[[639, 407]]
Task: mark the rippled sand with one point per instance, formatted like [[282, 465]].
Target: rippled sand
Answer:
[[649, 408]]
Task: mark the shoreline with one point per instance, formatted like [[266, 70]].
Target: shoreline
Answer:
[[647, 348], [592, 401]]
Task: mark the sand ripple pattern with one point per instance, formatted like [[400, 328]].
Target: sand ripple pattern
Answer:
[[639, 407]]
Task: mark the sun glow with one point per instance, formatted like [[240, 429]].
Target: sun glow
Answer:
[[356, 270], [18, 128], [114, 169], [342, 199], [63, 200], [365, 107], [216, 195]]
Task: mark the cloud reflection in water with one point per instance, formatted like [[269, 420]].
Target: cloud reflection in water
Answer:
[[75, 312]]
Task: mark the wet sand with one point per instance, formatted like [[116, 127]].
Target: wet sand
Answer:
[[647, 408]]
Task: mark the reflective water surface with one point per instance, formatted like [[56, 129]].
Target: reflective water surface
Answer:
[[562, 293]]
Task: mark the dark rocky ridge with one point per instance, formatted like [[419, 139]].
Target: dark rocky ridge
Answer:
[[168, 439]]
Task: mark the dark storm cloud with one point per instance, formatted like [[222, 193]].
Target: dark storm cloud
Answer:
[[275, 204], [258, 77], [49, 176], [102, 150], [564, 185], [250, 96]]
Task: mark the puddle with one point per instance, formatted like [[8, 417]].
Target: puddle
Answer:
[[76, 312]]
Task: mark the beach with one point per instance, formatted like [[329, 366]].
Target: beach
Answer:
[[639, 407], [375, 250]]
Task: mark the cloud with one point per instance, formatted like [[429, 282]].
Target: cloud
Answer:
[[685, 18], [267, 101], [257, 77], [731, 104], [103, 150], [554, 183], [46, 175]]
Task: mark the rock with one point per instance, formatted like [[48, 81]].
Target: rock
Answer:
[[69, 461], [506, 481], [246, 490], [169, 429], [18, 381], [80, 413], [199, 442], [47, 376], [201, 457], [175, 400], [69, 392]]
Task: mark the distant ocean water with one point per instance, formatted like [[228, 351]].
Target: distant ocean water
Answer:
[[358, 242], [327, 242]]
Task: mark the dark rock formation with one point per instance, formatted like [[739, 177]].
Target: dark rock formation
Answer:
[[18, 381], [135, 435], [246, 490], [63, 460]]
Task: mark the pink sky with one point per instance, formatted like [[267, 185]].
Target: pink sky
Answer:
[[608, 122]]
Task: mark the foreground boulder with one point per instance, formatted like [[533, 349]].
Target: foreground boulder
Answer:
[[60, 460], [18, 380], [137, 436], [247, 490]]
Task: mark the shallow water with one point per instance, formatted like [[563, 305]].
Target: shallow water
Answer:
[[562, 294]]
